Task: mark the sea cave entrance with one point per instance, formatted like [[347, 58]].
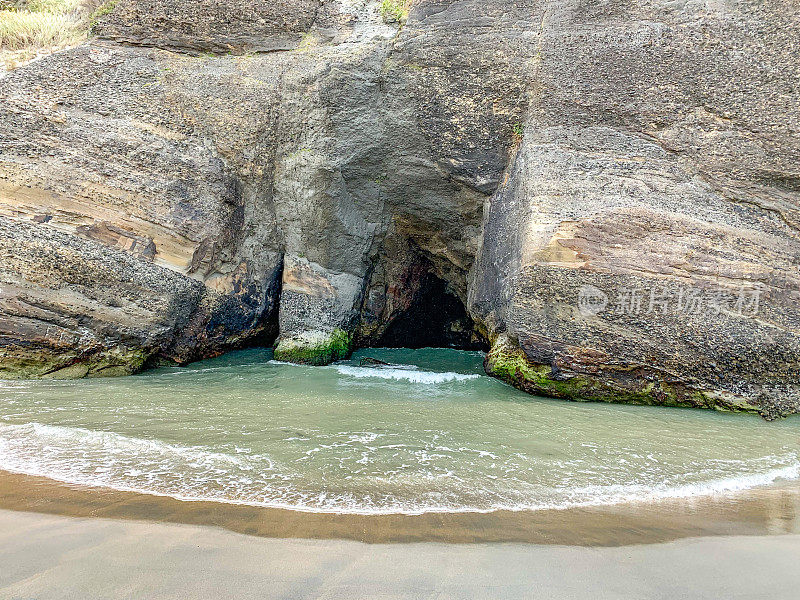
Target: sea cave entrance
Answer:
[[436, 318]]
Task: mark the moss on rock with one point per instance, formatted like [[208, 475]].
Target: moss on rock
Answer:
[[508, 362], [118, 362], [28, 363], [315, 347]]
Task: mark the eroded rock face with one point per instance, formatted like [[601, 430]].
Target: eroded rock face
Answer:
[[216, 26], [611, 190], [73, 306], [645, 247]]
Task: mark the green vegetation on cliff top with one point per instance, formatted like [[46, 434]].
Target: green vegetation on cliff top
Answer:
[[34, 27]]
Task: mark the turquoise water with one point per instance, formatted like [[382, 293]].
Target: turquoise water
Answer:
[[430, 433]]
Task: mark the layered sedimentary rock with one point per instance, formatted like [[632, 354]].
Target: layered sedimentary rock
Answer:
[[217, 26], [657, 184], [605, 193]]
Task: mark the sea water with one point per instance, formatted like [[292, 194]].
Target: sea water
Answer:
[[429, 432]]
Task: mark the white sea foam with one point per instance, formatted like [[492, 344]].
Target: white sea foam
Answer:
[[286, 363], [108, 459], [403, 374], [409, 373], [87, 441], [619, 494]]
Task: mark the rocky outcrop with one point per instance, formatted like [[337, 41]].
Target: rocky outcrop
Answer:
[[605, 193], [645, 247], [212, 26]]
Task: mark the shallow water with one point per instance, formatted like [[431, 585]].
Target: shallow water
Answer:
[[430, 433]]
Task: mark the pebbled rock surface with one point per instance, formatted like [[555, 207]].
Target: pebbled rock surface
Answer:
[[610, 189], [216, 26]]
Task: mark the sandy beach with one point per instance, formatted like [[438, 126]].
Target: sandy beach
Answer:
[[48, 556], [773, 510], [62, 542]]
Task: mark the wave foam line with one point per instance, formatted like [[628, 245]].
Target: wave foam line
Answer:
[[32, 449], [716, 488], [425, 377], [88, 441], [622, 494]]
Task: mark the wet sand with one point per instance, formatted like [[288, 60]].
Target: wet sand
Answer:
[[53, 557], [759, 512], [60, 541]]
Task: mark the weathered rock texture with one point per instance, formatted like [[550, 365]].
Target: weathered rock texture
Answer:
[[209, 25], [608, 193]]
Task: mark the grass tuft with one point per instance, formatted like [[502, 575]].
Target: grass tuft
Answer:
[[517, 132], [395, 11], [102, 10], [34, 27]]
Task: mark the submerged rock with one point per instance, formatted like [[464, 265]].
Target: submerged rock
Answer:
[[605, 193], [368, 361]]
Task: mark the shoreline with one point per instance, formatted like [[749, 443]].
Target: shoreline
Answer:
[[55, 557], [772, 510]]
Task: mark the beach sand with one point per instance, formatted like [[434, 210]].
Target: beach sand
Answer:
[[765, 511], [62, 541], [54, 557]]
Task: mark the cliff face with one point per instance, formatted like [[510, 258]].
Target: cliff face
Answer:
[[608, 194]]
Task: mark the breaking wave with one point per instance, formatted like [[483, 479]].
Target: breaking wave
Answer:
[[192, 473], [403, 374]]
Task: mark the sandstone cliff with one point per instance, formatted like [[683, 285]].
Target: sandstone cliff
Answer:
[[607, 193]]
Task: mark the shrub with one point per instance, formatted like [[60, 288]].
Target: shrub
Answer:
[[395, 11]]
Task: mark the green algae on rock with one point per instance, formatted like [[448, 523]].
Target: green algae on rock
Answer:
[[507, 361], [109, 362], [314, 347]]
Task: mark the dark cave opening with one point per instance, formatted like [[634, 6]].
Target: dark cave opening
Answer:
[[437, 318]]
